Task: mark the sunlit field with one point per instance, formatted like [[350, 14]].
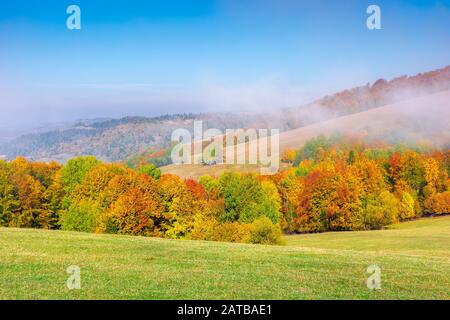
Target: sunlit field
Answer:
[[414, 258]]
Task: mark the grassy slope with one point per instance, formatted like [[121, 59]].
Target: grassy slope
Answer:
[[414, 257]]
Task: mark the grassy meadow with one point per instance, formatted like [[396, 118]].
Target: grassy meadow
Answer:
[[414, 258]]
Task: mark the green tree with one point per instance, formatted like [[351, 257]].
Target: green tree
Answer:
[[246, 198], [74, 171], [80, 217], [150, 170]]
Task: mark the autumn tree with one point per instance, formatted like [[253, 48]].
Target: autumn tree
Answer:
[[179, 208], [438, 203], [134, 213], [9, 202], [29, 212]]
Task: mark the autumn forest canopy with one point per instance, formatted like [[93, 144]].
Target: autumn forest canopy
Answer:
[[332, 183]]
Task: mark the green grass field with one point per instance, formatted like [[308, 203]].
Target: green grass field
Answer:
[[414, 258]]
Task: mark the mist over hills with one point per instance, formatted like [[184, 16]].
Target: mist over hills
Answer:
[[118, 139]]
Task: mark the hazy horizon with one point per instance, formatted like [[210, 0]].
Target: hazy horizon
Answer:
[[165, 57]]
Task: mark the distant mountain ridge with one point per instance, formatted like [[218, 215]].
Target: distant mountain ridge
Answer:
[[118, 139], [110, 140]]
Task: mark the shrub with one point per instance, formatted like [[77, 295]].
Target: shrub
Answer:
[[230, 232], [380, 211], [263, 231]]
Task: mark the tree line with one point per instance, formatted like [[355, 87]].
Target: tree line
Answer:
[[332, 184], [339, 183]]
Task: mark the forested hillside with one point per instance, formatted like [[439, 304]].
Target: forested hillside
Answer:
[[111, 140], [380, 93], [119, 139]]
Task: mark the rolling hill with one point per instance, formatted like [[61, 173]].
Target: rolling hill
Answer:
[[119, 139], [419, 120], [414, 258], [424, 118]]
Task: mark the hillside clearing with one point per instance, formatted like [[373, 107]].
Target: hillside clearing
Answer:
[[414, 258], [412, 120]]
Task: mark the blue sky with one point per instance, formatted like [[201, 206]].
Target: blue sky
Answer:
[[153, 57]]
